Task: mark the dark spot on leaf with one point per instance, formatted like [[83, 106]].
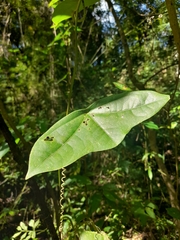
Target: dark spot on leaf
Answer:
[[99, 107], [50, 139], [86, 121], [108, 107]]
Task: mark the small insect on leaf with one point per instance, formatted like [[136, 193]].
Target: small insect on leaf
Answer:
[[50, 139]]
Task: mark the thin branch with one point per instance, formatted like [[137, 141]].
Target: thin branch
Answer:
[[170, 4], [87, 42], [4, 33], [162, 69], [75, 58], [20, 25], [132, 77], [94, 58], [80, 51]]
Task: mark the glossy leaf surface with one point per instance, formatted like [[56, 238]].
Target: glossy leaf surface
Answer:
[[101, 126], [88, 235]]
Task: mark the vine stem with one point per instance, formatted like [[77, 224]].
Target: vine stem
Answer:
[[75, 58], [62, 177], [61, 172]]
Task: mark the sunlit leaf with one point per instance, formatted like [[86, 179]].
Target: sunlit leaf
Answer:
[[16, 235], [31, 223], [4, 148], [88, 235], [121, 86], [53, 3], [150, 173], [23, 226], [173, 125], [66, 9], [150, 212], [101, 126], [151, 125], [152, 205]]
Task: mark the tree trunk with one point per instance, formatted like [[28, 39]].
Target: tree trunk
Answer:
[[40, 197]]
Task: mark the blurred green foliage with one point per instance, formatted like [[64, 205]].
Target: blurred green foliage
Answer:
[[120, 191]]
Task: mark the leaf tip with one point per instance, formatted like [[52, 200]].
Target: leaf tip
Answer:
[[29, 174]]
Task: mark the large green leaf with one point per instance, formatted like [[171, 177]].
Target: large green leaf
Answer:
[[67, 8], [88, 235], [101, 126]]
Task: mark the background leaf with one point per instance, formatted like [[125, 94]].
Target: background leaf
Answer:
[[121, 86], [88, 235], [151, 125], [150, 173], [66, 9], [99, 127], [150, 212], [173, 212]]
